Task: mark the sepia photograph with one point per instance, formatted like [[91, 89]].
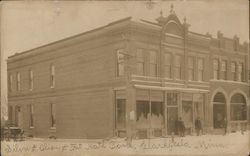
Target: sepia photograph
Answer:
[[145, 77]]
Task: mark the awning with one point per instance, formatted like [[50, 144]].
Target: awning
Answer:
[[180, 89]]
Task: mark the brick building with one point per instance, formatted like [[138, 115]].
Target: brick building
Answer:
[[130, 78]]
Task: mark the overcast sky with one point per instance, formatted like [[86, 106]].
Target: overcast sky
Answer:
[[27, 24]]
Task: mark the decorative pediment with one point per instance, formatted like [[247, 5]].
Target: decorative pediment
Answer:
[[172, 27], [171, 24]]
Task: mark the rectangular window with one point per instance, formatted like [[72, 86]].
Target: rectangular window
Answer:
[[233, 70], [167, 67], [31, 79], [31, 108], [120, 113], [53, 115], [153, 63], [140, 64], [241, 73], [200, 69], [190, 68], [52, 76], [120, 62], [216, 69], [223, 70], [18, 77], [10, 82], [177, 67]]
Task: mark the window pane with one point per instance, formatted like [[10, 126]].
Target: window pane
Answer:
[[178, 67], [142, 113], [140, 68], [167, 57], [157, 115], [31, 115], [172, 98], [153, 57], [167, 62], [216, 69], [120, 62], [52, 76], [153, 70], [53, 115]]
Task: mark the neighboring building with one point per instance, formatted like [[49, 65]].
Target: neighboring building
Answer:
[[130, 78]]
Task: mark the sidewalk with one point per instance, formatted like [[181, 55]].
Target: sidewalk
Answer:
[[234, 144]]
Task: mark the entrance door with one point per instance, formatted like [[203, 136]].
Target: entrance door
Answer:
[[219, 111]]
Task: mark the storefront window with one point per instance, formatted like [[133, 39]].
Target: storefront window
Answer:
[[120, 113], [187, 109], [157, 114], [238, 107], [142, 111]]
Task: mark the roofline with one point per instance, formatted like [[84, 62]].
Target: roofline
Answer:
[[71, 37]]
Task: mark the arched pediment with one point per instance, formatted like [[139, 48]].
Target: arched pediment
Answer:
[[174, 28], [173, 25]]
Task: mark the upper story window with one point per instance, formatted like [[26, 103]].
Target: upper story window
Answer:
[[190, 68], [153, 63], [52, 76], [216, 69], [53, 115], [10, 82], [140, 62], [167, 65], [200, 69], [120, 62], [233, 70], [31, 79], [223, 70], [18, 77], [241, 73], [177, 67]]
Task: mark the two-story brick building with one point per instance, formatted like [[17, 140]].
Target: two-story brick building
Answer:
[[130, 78]]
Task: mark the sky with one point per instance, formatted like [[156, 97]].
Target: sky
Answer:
[[28, 24]]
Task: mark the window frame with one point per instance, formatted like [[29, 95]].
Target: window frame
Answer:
[[18, 78], [178, 67], [120, 62], [31, 80], [140, 60], [168, 65], [153, 63], [216, 69], [52, 76], [200, 70], [52, 116], [191, 68]]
